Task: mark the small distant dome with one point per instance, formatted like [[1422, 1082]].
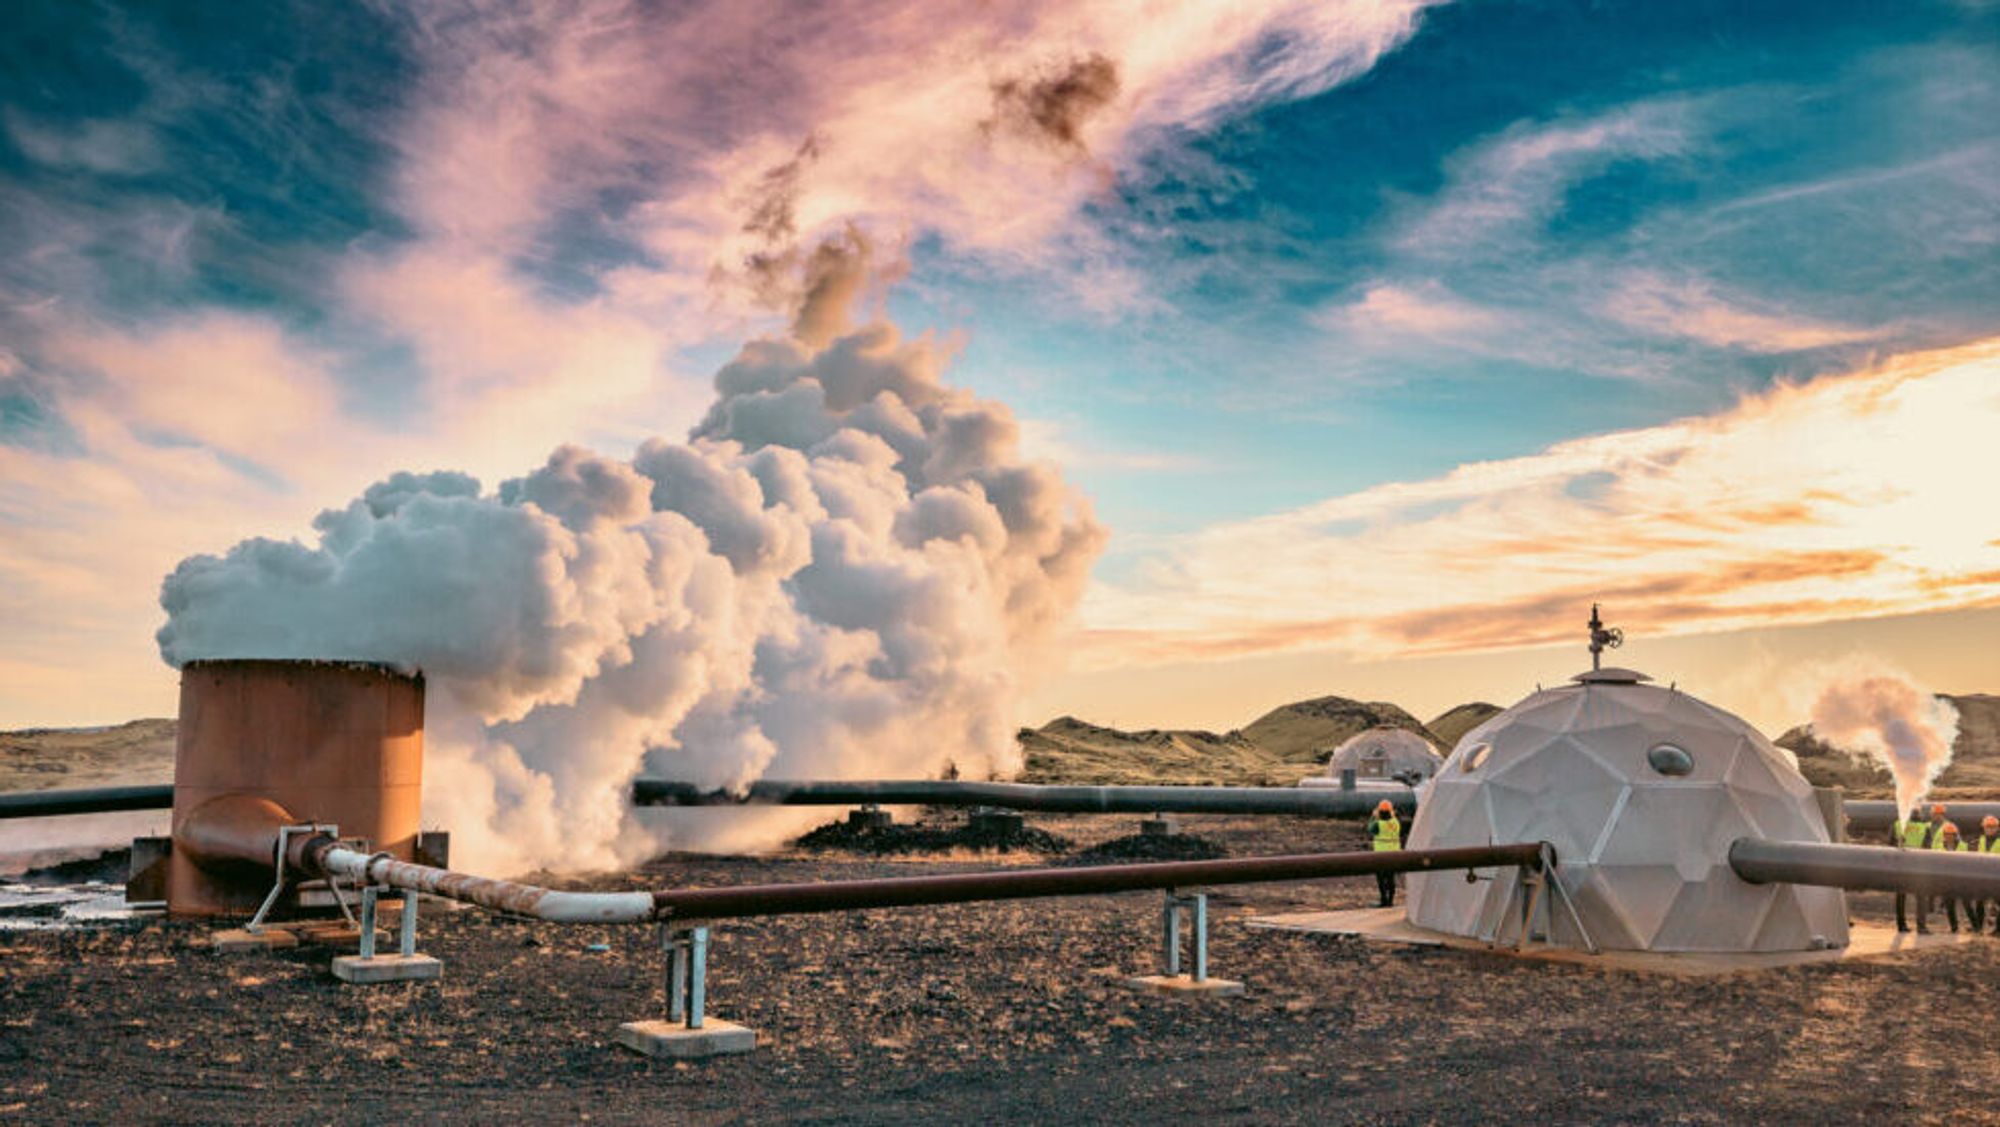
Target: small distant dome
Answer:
[[1610, 676], [1384, 752]]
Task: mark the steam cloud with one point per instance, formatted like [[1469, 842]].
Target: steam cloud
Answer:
[[847, 570], [1884, 714]]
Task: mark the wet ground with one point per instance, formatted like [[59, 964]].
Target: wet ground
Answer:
[[1009, 1011]]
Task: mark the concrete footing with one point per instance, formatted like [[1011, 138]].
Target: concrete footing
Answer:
[[1159, 825], [996, 821], [386, 968], [870, 818], [1184, 986], [673, 1039]]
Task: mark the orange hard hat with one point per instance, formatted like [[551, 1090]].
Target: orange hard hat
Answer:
[[1950, 829], [1938, 810], [1384, 806], [1989, 822]]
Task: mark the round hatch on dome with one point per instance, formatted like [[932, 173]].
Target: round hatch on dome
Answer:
[[1611, 676]]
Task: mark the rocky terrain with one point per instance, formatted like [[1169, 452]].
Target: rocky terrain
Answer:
[[139, 751], [1006, 1012]]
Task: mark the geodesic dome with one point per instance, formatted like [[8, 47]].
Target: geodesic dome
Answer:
[[1383, 752], [1641, 790]]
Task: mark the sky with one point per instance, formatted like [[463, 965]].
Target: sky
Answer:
[[1384, 337]]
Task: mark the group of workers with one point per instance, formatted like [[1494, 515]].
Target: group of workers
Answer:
[[1385, 831], [1938, 832]]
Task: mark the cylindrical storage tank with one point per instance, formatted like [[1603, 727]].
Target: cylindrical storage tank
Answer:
[[330, 741]]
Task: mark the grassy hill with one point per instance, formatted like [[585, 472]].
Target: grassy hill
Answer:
[[1302, 734], [1068, 750], [1450, 727], [1275, 750]]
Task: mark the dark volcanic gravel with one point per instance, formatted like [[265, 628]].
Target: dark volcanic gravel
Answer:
[[1149, 847], [898, 839], [1000, 1012]]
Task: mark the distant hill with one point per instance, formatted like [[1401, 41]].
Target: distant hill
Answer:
[[1302, 734], [1068, 750], [136, 752], [1451, 726]]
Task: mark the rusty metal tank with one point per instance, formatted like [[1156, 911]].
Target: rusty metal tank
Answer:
[[328, 741]]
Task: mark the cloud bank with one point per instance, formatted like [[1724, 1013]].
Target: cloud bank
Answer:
[[1834, 498], [847, 570]]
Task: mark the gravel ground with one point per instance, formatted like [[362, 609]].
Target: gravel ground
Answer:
[[1004, 1011]]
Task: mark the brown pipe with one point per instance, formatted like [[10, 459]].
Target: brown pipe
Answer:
[[1017, 884], [232, 832], [242, 830], [328, 857]]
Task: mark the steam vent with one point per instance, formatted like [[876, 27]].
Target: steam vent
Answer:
[[329, 742], [1641, 790]]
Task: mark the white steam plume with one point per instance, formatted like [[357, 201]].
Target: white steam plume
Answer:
[[1875, 710], [847, 570]]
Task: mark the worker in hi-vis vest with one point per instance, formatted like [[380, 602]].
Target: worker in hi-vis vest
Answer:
[[1384, 833], [1947, 839], [1913, 833], [1988, 841]]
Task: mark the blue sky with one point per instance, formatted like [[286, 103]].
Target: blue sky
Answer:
[[1817, 163], [1300, 253]]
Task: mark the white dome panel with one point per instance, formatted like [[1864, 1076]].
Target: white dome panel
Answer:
[[1642, 840]]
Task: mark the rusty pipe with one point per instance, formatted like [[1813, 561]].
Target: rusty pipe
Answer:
[[233, 832], [1019, 884], [554, 905], [330, 857], [1922, 871], [84, 800], [1322, 802]]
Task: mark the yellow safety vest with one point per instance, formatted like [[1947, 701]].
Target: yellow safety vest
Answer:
[[1938, 844], [1912, 833], [1987, 845], [1388, 833]]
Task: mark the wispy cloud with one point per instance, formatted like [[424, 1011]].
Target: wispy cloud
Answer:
[[1840, 497], [1426, 310], [1501, 191], [1691, 307]]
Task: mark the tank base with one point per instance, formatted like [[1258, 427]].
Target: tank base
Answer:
[[673, 1039]]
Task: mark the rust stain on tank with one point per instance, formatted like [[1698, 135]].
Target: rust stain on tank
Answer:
[[329, 741]]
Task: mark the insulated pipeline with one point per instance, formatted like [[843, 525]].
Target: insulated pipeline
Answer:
[[85, 800], [328, 856], [1325, 802], [1922, 871]]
